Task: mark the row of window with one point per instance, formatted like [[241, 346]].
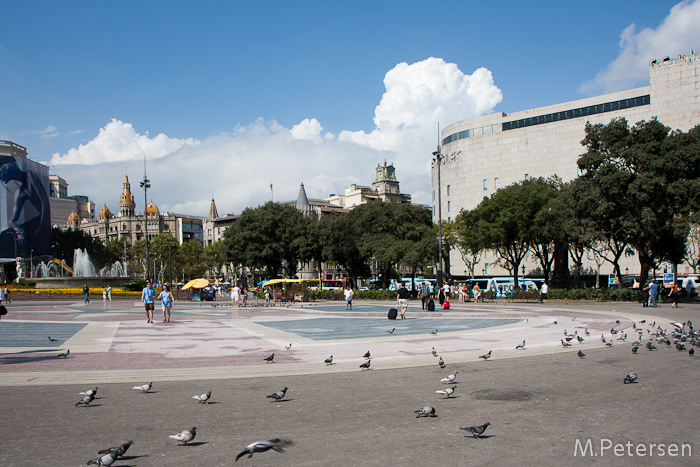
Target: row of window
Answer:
[[551, 117]]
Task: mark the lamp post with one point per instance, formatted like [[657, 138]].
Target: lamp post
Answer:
[[170, 266], [438, 159], [145, 184], [31, 263]]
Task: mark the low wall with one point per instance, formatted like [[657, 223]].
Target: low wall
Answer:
[[77, 282]]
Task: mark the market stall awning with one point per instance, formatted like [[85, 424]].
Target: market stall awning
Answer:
[[281, 281]]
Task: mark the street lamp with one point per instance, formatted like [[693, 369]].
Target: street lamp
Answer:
[[145, 184], [31, 263], [438, 159]]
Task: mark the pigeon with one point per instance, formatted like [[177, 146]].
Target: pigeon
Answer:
[[634, 349], [555, 322], [602, 338], [486, 356], [680, 347], [185, 436], [365, 366], [64, 354], [275, 444], [107, 459], [623, 337], [52, 340], [434, 333], [580, 339], [366, 355], [691, 352], [651, 346], [144, 388], [279, 395], [85, 401], [441, 363], [288, 346], [426, 411], [581, 354], [447, 392], [478, 430], [587, 333], [565, 344], [617, 321], [434, 352], [609, 343], [450, 379], [89, 392], [637, 342], [329, 360], [520, 346], [270, 358], [392, 331], [203, 398], [118, 450], [631, 378]]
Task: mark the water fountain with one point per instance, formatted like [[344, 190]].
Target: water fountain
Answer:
[[48, 275]]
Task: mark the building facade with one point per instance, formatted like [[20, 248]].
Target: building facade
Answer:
[[482, 154], [385, 188]]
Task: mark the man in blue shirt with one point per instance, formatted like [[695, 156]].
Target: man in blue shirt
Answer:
[[653, 292], [147, 297]]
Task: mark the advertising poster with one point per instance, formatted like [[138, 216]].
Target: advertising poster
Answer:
[[25, 212]]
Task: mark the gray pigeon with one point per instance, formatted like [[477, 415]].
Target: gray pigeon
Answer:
[[52, 340], [288, 346], [520, 346], [631, 378], [450, 379], [435, 354], [580, 339], [426, 411], [64, 354], [602, 339], [203, 398], [581, 354], [434, 333], [118, 450], [486, 356], [276, 444], [565, 344], [587, 333], [279, 395], [478, 430], [89, 392], [107, 459], [441, 362], [691, 352], [651, 346], [365, 366], [85, 401], [144, 387], [392, 331], [270, 358], [185, 436], [329, 360], [634, 349], [366, 355], [609, 343]]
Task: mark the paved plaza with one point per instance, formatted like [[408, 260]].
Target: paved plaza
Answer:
[[540, 401]]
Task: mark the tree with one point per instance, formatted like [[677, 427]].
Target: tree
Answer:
[[642, 195], [214, 257], [190, 258], [546, 229], [339, 239], [464, 239], [272, 236]]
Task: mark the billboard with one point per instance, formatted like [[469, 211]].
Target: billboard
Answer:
[[25, 211]]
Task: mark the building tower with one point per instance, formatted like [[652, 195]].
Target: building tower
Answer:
[[152, 220], [386, 185], [73, 221], [127, 206]]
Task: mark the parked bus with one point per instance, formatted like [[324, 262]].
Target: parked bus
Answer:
[[503, 286], [328, 284]]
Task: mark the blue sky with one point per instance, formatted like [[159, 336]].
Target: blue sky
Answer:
[[225, 98]]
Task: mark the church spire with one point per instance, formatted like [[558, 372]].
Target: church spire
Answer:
[[302, 200], [213, 213], [127, 205]]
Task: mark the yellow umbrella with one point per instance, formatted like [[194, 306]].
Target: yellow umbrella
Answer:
[[196, 284]]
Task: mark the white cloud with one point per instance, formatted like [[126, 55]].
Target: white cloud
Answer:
[[118, 141], [238, 166], [50, 131], [675, 35], [308, 129]]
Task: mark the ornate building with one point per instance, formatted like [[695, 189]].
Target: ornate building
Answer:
[[385, 188], [129, 225]]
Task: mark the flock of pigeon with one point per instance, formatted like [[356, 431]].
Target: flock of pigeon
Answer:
[[110, 455]]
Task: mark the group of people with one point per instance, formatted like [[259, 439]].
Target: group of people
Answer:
[[148, 297], [652, 289], [240, 295]]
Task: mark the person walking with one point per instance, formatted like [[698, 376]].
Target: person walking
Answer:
[[147, 296], [109, 293], [235, 295], [86, 292], [104, 294], [543, 291], [402, 300], [653, 293], [167, 301], [7, 294], [348, 297]]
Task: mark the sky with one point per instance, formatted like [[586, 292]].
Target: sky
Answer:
[[223, 99]]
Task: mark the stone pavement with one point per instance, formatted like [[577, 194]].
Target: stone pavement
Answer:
[[539, 400]]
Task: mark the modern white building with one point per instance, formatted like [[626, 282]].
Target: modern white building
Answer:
[[483, 154]]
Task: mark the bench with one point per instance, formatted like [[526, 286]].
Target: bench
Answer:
[[525, 296]]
